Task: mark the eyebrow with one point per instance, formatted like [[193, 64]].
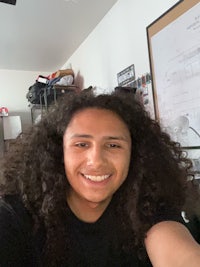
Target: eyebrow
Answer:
[[120, 137]]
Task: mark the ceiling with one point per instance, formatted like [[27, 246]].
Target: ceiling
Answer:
[[40, 35]]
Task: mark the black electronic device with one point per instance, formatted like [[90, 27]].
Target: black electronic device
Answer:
[[11, 2]]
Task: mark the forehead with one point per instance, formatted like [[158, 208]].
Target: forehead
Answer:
[[97, 120]]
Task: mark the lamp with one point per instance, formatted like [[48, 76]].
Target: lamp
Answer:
[[179, 127]]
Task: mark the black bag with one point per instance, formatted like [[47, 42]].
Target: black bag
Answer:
[[35, 92]]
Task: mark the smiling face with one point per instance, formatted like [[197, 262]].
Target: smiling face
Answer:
[[97, 150]]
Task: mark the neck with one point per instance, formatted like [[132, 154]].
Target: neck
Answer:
[[87, 211]]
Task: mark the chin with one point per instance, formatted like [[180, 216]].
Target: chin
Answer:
[[98, 200]]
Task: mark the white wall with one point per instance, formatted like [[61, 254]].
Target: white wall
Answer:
[[118, 41], [13, 88]]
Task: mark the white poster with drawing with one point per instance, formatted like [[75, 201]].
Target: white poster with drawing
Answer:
[[176, 56]]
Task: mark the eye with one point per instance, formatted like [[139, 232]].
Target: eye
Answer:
[[113, 145], [81, 144]]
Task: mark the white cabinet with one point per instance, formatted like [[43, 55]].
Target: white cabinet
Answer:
[[10, 128]]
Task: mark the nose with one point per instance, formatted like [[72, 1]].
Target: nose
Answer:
[[96, 156]]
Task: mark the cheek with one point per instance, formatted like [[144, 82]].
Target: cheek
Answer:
[[68, 154], [68, 161], [126, 169], [122, 164], [72, 162]]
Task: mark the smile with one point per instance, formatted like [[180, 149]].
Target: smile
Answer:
[[97, 178]]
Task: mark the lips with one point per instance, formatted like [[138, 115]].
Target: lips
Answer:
[[97, 178]]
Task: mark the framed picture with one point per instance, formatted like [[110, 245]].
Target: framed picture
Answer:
[[126, 76], [174, 54]]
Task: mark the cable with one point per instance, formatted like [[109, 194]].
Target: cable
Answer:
[[194, 131]]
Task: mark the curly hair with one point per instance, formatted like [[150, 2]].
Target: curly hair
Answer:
[[155, 185]]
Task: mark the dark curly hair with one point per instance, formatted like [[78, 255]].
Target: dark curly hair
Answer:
[[155, 185]]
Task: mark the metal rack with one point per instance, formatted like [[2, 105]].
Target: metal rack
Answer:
[[47, 99]]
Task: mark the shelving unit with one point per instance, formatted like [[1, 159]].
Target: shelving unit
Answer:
[[48, 98]]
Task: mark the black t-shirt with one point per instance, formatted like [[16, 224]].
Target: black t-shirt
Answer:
[[16, 242], [194, 227], [92, 244], [98, 244]]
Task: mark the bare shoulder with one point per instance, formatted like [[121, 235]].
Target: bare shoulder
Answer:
[[169, 230], [170, 243]]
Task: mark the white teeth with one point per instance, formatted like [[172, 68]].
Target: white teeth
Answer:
[[97, 178]]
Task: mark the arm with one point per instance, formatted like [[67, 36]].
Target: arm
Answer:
[[170, 244]]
